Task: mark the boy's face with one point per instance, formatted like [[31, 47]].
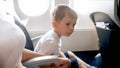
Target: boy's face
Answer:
[[66, 26]]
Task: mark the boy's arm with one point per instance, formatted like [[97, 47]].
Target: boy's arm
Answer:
[[61, 54]]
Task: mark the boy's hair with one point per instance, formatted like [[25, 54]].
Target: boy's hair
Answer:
[[61, 11]]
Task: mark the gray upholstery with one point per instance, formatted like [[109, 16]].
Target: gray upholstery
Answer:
[[29, 43], [103, 17]]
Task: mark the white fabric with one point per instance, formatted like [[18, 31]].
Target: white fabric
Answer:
[[49, 44], [12, 42]]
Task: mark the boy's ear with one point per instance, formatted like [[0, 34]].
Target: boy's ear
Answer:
[[54, 24]]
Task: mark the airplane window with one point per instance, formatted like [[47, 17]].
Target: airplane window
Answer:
[[6, 6], [33, 7]]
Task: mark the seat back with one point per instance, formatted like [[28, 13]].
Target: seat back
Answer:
[[108, 39], [103, 17], [29, 43]]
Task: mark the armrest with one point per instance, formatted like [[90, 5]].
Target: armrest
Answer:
[[43, 60], [35, 40], [37, 37]]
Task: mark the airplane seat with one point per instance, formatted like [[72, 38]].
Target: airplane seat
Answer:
[[29, 43], [108, 39]]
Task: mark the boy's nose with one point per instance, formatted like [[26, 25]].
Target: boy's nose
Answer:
[[72, 28]]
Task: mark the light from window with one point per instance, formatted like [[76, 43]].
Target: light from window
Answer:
[[33, 7], [88, 6]]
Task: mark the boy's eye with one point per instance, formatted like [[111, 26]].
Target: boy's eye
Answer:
[[68, 24], [74, 24]]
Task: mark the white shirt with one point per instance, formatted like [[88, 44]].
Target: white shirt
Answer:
[[12, 42], [49, 44]]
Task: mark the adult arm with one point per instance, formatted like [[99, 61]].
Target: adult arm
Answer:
[[28, 54]]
